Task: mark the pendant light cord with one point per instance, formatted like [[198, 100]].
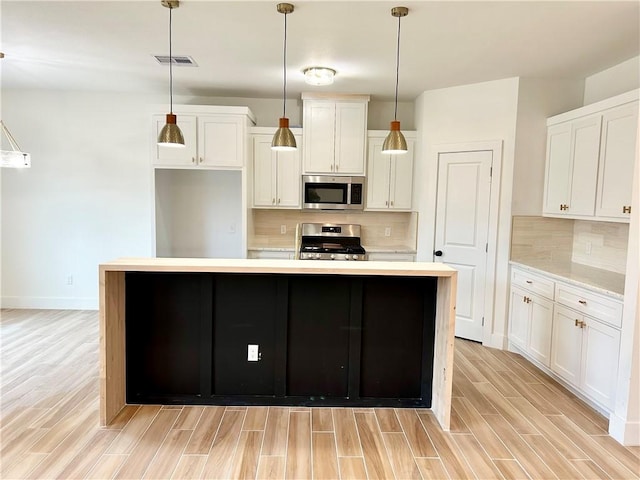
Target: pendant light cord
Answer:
[[170, 64], [395, 112], [284, 68]]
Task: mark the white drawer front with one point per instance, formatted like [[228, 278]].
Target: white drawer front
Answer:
[[603, 308], [532, 282]]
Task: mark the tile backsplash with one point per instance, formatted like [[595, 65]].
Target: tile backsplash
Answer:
[[268, 225], [541, 239], [600, 245]]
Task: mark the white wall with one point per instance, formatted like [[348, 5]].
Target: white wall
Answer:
[[85, 200], [479, 112], [537, 100], [613, 81]]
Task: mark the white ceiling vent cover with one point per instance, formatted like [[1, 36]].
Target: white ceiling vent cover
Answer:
[[177, 60]]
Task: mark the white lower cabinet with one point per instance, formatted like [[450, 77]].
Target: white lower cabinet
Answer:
[[575, 332], [585, 353], [531, 324]]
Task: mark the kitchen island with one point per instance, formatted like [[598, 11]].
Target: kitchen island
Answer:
[[276, 332]]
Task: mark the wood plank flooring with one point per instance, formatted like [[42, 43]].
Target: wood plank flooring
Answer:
[[509, 421]]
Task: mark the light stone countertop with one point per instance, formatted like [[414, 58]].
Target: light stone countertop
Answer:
[[594, 279], [226, 265]]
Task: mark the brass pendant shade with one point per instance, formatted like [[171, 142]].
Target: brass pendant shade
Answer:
[[170, 135], [283, 139], [395, 143]]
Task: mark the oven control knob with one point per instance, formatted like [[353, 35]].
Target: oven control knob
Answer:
[[332, 256], [317, 255], [355, 257], [346, 257]]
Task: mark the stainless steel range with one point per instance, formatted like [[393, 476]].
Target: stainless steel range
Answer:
[[324, 241]]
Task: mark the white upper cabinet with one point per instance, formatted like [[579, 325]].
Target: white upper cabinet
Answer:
[[276, 175], [572, 167], [389, 177], [590, 157], [334, 135], [221, 141], [617, 151], [215, 137]]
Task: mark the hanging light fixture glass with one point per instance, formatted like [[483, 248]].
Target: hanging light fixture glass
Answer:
[[170, 135], [283, 139], [13, 158], [395, 142]]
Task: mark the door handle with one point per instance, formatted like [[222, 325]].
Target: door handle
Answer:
[[438, 253]]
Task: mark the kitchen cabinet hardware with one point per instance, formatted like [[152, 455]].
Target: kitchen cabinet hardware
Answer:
[[582, 302], [580, 323], [438, 253], [529, 282], [626, 209]]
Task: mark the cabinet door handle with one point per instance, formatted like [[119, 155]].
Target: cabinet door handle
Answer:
[[337, 166], [273, 201], [200, 159], [582, 302], [386, 203], [278, 201], [626, 209], [580, 323], [392, 203], [193, 159], [577, 324]]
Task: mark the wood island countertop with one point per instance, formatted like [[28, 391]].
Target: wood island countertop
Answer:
[[223, 265], [113, 310]]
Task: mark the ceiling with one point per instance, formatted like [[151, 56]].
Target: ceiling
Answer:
[[108, 45]]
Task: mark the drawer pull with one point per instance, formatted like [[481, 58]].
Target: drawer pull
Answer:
[[529, 282], [582, 302]]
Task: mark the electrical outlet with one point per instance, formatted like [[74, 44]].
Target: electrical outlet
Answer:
[[587, 248], [70, 280], [387, 231], [232, 228], [252, 353], [283, 229]]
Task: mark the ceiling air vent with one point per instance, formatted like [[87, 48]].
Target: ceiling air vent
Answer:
[[177, 60]]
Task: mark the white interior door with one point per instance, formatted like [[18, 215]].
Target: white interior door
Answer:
[[462, 229]]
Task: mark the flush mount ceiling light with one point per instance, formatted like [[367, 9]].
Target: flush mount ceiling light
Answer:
[[283, 139], [319, 75], [13, 158], [170, 135], [395, 142]]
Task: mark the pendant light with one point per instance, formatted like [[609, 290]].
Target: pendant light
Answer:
[[395, 142], [13, 158], [170, 135], [283, 139]]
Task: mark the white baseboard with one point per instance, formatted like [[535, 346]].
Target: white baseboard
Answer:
[[50, 303], [627, 433]]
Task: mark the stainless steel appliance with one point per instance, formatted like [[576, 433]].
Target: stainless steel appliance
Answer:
[[325, 241], [330, 192]]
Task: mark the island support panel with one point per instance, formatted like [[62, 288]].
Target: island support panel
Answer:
[[324, 339]]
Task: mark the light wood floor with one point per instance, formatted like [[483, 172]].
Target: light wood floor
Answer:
[[509, 421]]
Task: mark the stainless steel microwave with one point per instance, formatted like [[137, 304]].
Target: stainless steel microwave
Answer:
[[329, 192]]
